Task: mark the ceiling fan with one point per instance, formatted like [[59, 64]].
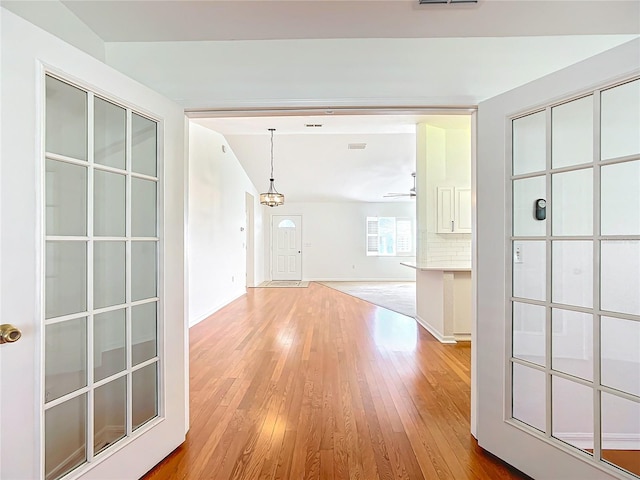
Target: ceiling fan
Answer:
[[412, 190]]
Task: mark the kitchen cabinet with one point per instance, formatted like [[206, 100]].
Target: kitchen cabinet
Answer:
[[453, 210]]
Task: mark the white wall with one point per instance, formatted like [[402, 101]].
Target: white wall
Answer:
[[217, 256], [334, 240], [371, 71]]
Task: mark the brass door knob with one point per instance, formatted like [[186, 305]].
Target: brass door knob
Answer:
[[9, 333]]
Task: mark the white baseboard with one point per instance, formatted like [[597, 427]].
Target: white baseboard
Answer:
[[462, 337], [360, 279], [441, 338], [610, 441], [200, 318]]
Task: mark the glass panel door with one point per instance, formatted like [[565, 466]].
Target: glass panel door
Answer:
[[101, 276], [575, 242]]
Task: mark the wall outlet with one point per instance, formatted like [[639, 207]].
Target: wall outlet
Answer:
[[233, 279], [517, 254]]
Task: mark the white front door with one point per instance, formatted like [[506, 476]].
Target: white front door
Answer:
[[557, 341], [92, 265], [286, 247]]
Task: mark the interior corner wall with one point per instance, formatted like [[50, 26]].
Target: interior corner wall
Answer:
[[334, 241], [54, 17], [217, 255]]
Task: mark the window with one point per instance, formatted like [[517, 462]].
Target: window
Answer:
[[389, 236]]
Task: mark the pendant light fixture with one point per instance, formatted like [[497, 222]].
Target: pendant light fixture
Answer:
[[272, 198]]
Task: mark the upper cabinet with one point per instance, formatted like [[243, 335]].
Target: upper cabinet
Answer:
[[454, 210]]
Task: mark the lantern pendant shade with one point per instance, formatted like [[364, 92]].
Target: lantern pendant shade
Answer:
[[272, 198]]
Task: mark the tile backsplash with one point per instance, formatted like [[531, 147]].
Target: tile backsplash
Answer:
[[451, 249]]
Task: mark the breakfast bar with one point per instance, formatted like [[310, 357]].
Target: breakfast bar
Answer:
[[443, 300]]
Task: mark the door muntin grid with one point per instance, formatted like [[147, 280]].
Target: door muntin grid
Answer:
[[574, 279], [101, 372]]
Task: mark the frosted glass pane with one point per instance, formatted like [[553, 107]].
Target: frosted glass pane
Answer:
[[572, 133], [108, 344], [108, 274], [65, 278], [529, 144], [65, 427], [529, 396], [529, 332], [109, 134], [143, 208], [572, 413], [572, 273], [525, 194], [66, 119], [143, 148], [66, 198], [572, 343], [65, 358], [143, 270], [109, 204], [145, 395], [620, 197], [620, 354], [572, 203], [620, 120], [143, 332], [530, 270], [620, 276], [110, 406], [621, 432]]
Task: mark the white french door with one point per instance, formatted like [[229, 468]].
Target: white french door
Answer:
[[89, 204], [286, 247], [558, 306], [575, 298]]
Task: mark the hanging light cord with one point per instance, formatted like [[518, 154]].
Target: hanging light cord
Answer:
[[271, 130]]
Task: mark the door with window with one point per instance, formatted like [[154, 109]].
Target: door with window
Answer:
[[571, 357], [286, 247], [84, 391]]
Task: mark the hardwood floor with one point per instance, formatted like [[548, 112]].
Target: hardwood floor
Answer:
[[311, 383]]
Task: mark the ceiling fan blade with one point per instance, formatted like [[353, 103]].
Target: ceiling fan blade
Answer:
[[412, 190]]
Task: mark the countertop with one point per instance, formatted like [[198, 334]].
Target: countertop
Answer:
[[442, 268]]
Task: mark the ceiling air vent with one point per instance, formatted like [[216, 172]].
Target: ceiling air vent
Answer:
[[313, 125], [446, 1], [357, 146]]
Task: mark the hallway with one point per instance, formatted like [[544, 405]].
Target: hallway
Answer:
[[292, 383]]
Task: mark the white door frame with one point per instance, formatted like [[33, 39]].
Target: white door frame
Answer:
[[249, 239]]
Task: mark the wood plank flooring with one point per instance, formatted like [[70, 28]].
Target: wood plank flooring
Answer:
[[311, 383]]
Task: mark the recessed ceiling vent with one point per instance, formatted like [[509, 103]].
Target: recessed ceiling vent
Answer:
[[357, 146], [423, 2], [313, 125]]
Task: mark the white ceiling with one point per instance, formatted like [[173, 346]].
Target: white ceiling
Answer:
[[152, 21], [315, 164], [211, 55]]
